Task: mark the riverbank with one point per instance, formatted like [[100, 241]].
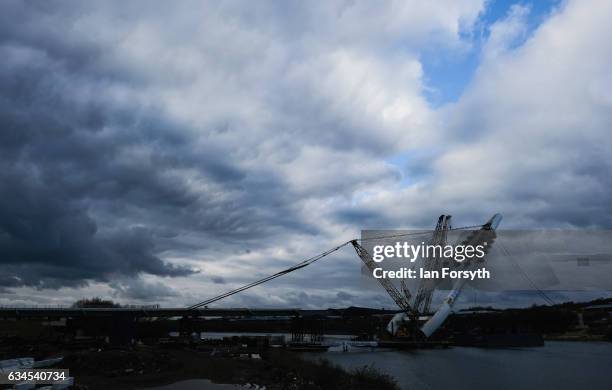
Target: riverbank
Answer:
[[152, 367], [582, 336]]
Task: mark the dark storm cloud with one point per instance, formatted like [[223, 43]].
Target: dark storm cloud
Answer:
[[91, 189]]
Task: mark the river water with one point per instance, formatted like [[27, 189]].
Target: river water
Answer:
[[557, 365]]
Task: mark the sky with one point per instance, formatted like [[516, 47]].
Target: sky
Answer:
[[165, 152]]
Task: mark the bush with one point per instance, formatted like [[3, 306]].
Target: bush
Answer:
[[370, 377], [300, 374]]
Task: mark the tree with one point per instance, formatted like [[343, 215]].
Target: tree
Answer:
[[94, 302]]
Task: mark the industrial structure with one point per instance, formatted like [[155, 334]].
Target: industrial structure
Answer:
[[413, 306], [416, 308]]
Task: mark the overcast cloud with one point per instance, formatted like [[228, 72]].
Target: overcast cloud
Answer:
[[166, 152]]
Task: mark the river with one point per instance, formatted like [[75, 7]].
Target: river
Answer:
[[558, 365]]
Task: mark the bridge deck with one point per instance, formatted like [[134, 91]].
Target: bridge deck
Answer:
[[29, 312]]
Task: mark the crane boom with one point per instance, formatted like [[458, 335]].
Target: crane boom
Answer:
[[486, 234], [401, 300], [422, 301]]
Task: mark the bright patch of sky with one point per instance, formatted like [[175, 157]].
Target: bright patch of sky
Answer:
[[447, 73]]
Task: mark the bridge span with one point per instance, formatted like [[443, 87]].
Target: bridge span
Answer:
[[35, 312]]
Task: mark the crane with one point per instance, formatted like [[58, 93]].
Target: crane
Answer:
[[420, 305], [409, 310], [422, 300]]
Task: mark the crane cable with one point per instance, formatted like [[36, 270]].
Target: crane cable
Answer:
[[306, 263], [414, 233], [546, 298], [302, 264]]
